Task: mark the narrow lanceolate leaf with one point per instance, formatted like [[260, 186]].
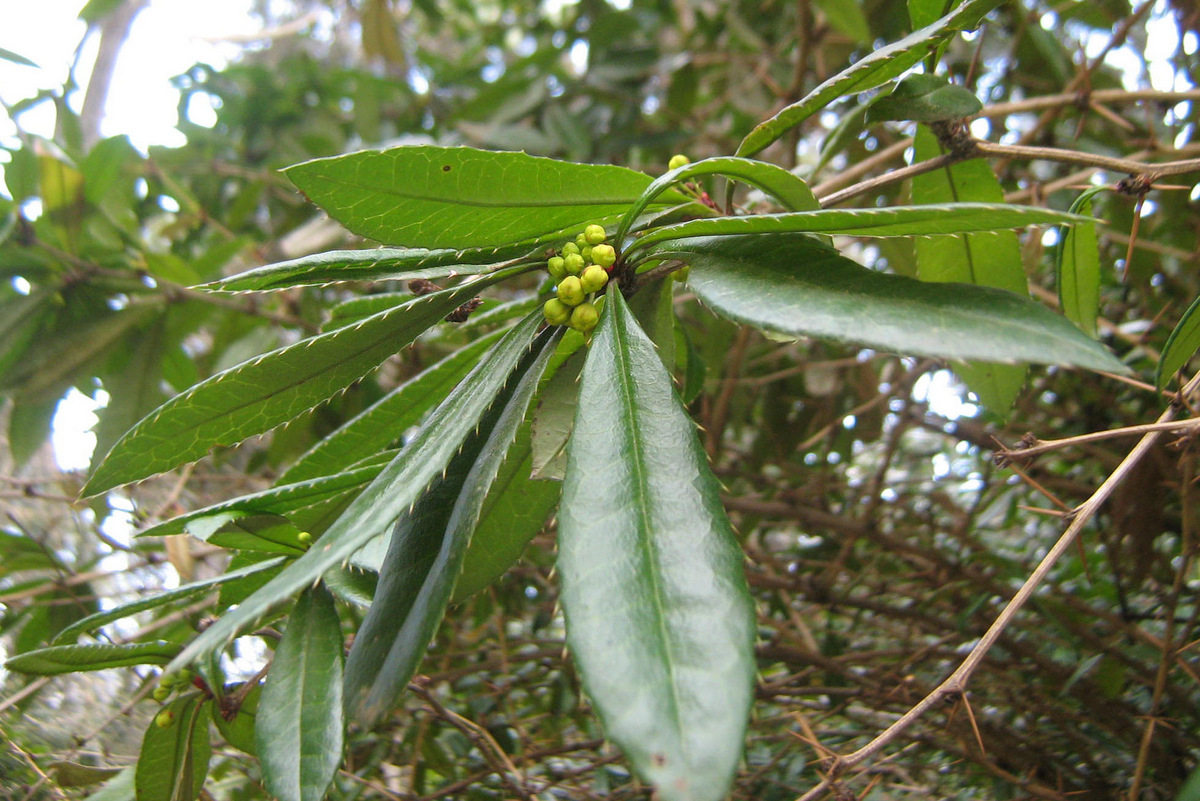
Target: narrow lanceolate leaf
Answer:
[[266, 391], [57, 659], [983, 259], [182, 594], [392, 492], [426, 553], [173, 762], [925, 98], [298, 728], [382, 264], [793, 285], [789, 190], [658, 615], [1078, 266], [928, 220], [454, 197], [388, 418], [873, 70], [1181, 345]]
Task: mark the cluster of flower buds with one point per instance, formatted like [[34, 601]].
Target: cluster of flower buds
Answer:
[[580, 269], [171, 682]]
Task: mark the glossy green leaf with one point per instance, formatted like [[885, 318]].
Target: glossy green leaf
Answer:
[[789, 190], [238, 725], [1077, 263], [266, 533], [298, 729], [925, 98], [173, 762], [984, 259], [388, 418], [267, 391], [391, 493], [926, 220], [56, 659], [187, 592], [872, 70], [380, 264], [658, 615], [926, 12], [426, 551], [1181, 345], [553, 417], [793, 285], [458, 197]]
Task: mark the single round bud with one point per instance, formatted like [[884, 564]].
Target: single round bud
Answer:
[[604, 255], [593, 279], [587, 254], [570, 248], [164, 719], [594, 234], [677, 161], [556, 312], [581, 241], [570, 291], [584, 317], [574, 264], [557, 268], [304, 538], [161, 693]]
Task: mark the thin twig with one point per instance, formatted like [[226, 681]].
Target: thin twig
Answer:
[[1005, 455]]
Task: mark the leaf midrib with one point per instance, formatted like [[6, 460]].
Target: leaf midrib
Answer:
[[499, 201]]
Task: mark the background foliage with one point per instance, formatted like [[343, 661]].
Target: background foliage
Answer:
[[881, 535]]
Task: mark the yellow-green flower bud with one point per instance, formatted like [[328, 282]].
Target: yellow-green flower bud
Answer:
[[593, 279], [570, 291], [581, 241], [604, 255], [161, 693], [570, 248], [574, 264], [587, 254], [584, 317], [677, 161], [304, 538], [557, 268], [556, 312], [164, 719], [594, 234]]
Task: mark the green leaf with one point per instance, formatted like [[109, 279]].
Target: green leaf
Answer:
[[298, 729], [118, 788], [514, 511], [925, 220], [173, 762], [392, 492], [926, 12], [873, 70], [388, 418], [1077, 263], [20, 319], [984, 259], [381, 264], [658, 615], [793, 285], [267, 391], [187, 592], [19, 552], [73, 774], [846, 16], [925, 98], [426, 553], [789, 190], [238, 729], [57, 659], [1181, 345], [15, 58], [458, 197], [265, 533]]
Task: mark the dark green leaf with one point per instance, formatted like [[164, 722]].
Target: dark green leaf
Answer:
[[267, 391], [880, 66], [298, 729], [237, 726], [658, 615], [392, 492], [381, 264], [926, 12], [426, 552], [174, 758], [983, 259], [266, 533], [72, 774], [1077, 262], [793, 285], [925, 98], [1181, 345], [789, 190], [57, 659], [458, 197], [926, 220]]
